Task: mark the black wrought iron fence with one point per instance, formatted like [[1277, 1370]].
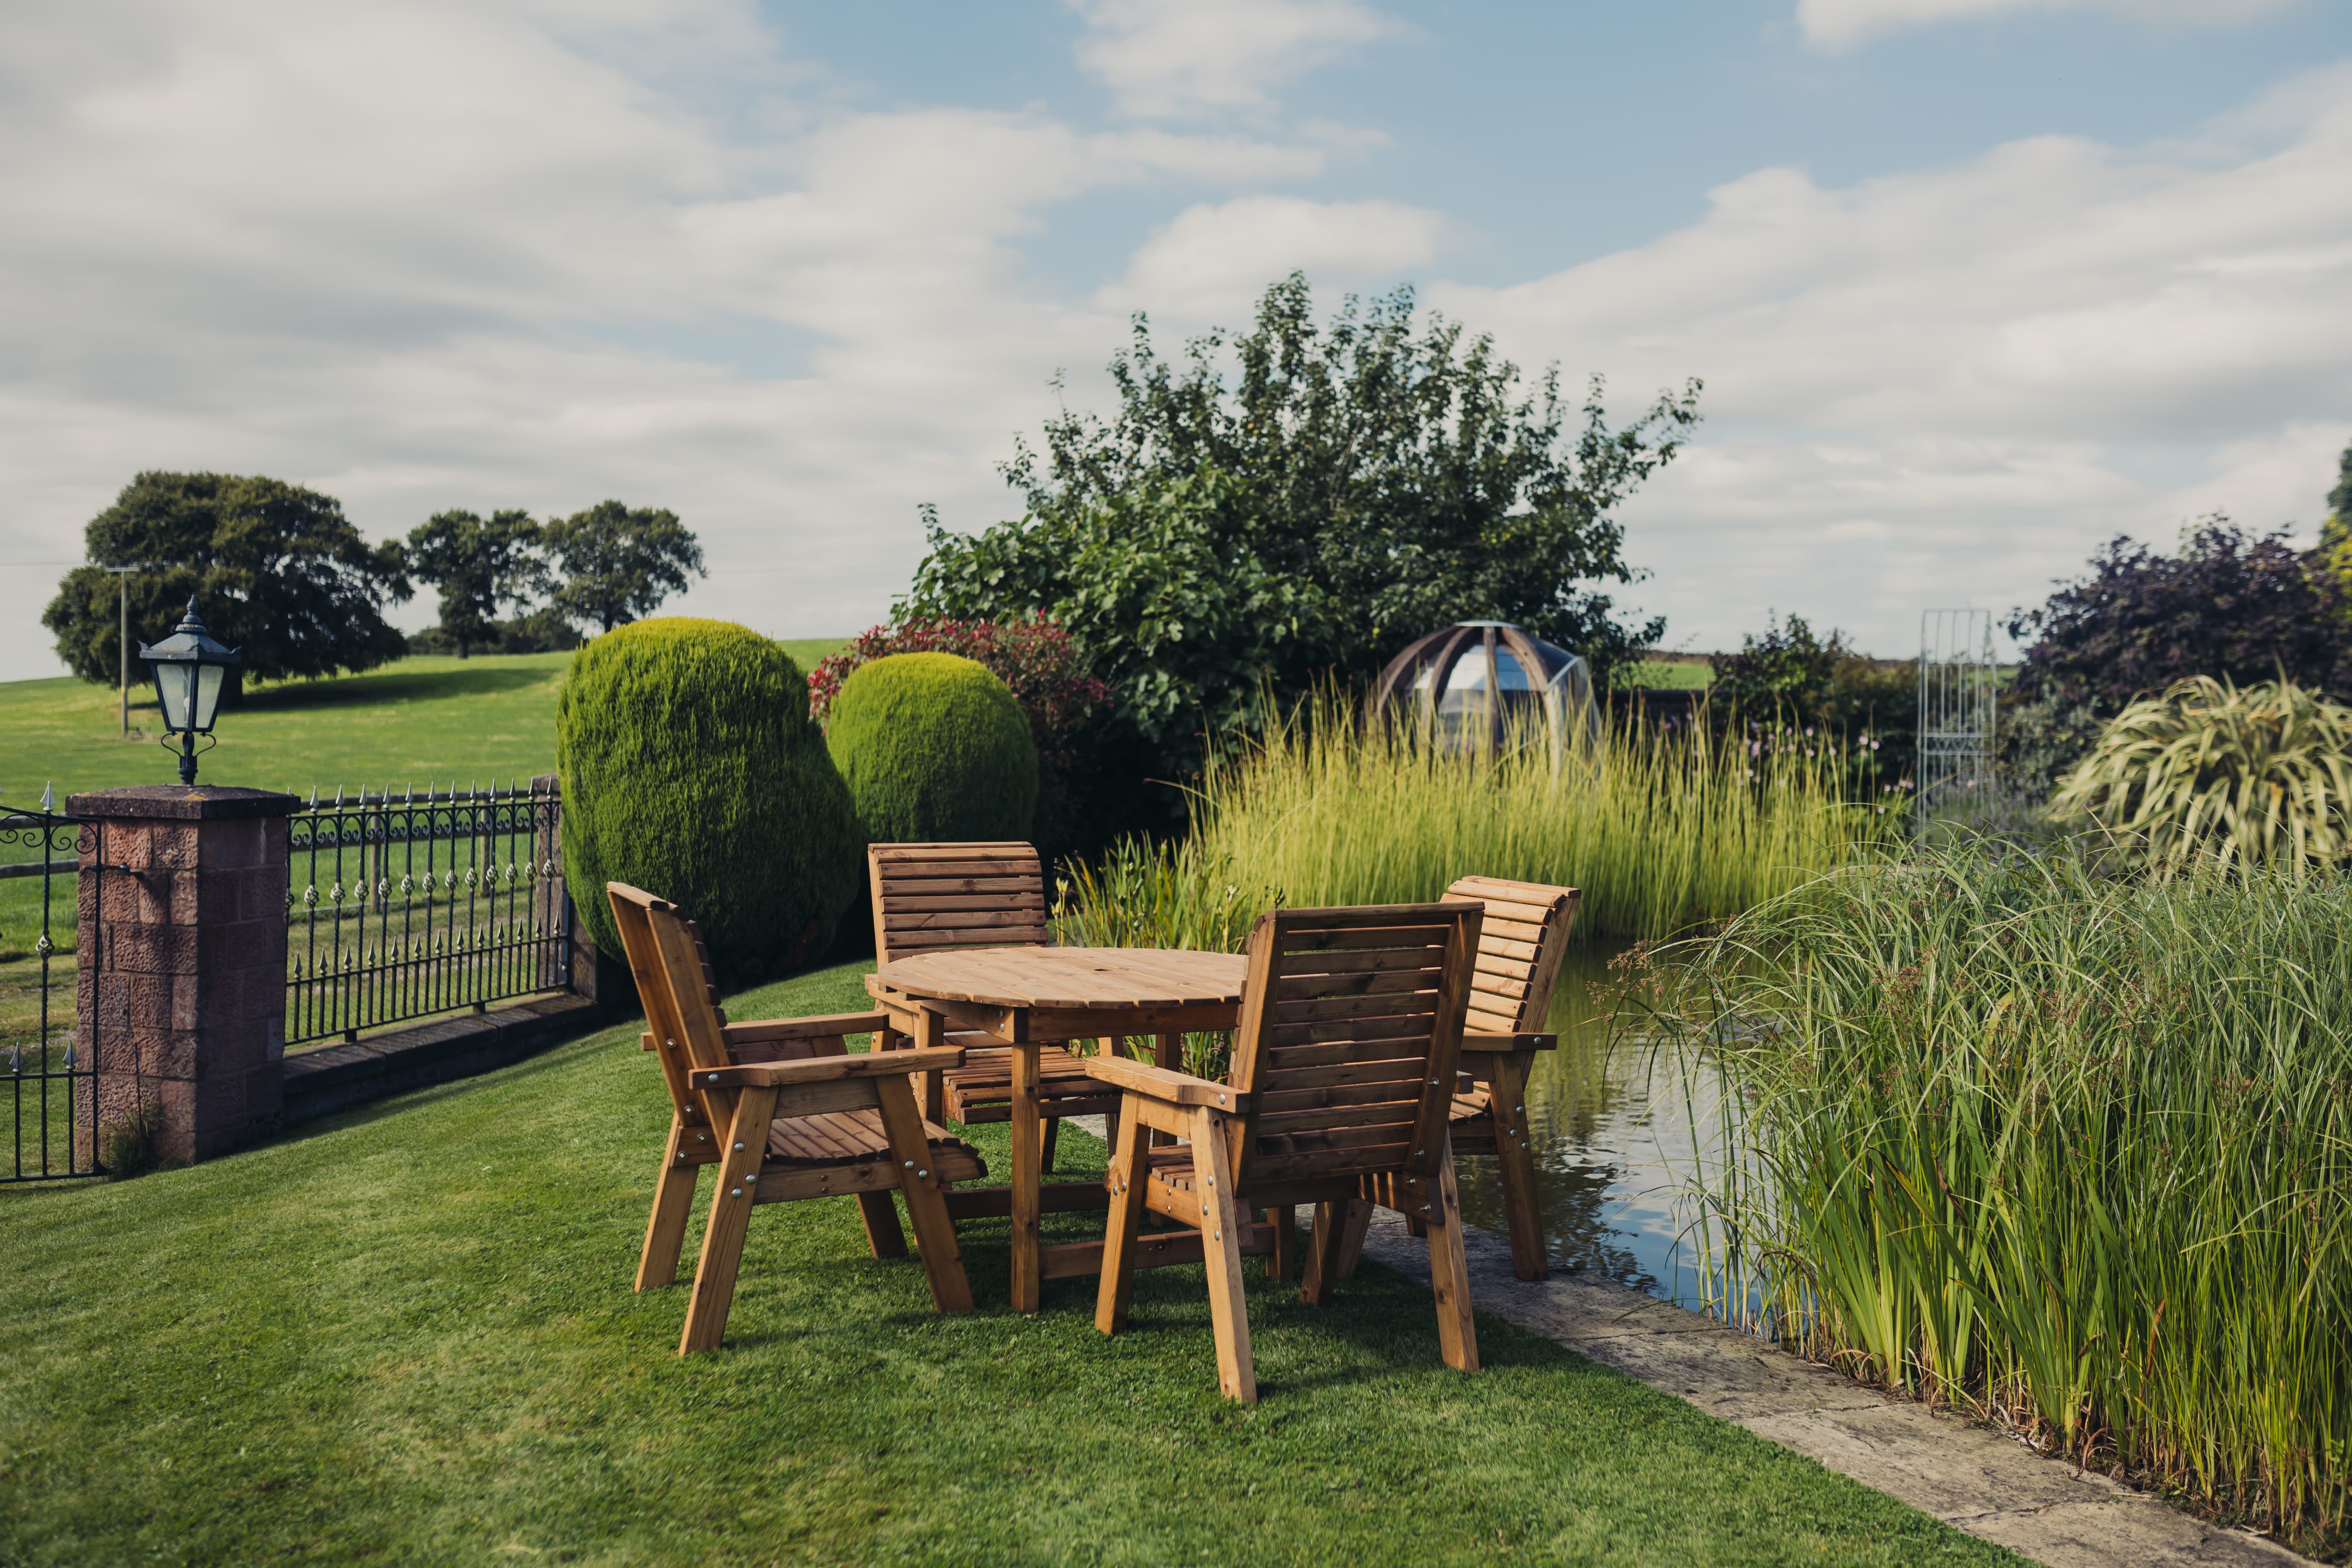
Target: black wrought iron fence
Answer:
[[400, 906], [48, 1052]]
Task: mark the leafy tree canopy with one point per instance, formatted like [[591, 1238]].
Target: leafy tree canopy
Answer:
[[1350, 489], [277, 570], [620, 562], [2335, 533], [476, 564], [2238, 609]]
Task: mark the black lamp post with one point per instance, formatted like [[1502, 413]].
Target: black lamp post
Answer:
[[188, 668]]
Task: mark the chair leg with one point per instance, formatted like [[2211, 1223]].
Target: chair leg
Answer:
[[1415, 1226], [1053, 1136], [1221, 1249], [1322, 1271], [1349, 1242], [1516, 1164], [882, 1232], [919, 1184], [1128, 1173], [1283, 1261], [673, 1198], [1449, 1269], [731, 1218]]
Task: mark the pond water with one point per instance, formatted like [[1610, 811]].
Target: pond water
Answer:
[[1618, 1127]]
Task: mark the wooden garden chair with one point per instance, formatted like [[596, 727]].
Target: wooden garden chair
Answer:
[[785, 1113], [927, 896], [1341, 1086], [1520, 946]]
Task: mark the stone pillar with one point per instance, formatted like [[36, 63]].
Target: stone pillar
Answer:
[[182, 999]]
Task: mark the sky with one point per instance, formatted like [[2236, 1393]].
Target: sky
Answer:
[[1973, 285]]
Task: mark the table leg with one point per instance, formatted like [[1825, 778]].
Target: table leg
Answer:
[[1028, 1153], [1167, 1051]]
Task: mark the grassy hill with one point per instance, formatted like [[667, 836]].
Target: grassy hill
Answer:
[[435, 719]]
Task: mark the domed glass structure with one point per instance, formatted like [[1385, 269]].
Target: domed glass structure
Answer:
[[1475, 679]]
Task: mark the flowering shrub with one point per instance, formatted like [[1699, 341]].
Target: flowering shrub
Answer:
[[1036, 658]]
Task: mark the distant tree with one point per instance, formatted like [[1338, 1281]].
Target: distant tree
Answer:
[[1354, 487], [2236, 607], [1791, 686], [277, 570], [618, 563], [477, 565]]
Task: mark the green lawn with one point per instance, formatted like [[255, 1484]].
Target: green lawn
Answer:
[[420, 719], [408, 1336]]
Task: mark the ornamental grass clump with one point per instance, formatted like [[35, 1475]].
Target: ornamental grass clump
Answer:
[[2067, 1150], [690, 769], [2212, 772], [1664, 829]]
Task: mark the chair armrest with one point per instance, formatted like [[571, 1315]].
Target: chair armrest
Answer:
[[825, 1069], [1507, 1043], [1159, 1083], [764, 1029]]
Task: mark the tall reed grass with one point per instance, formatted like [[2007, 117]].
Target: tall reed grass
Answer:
[[2070, 1152], [1664, 829]]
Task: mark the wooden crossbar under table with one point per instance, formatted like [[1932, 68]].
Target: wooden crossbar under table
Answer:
[[1028, 997]]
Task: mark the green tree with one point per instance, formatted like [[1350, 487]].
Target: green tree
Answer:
[[2335, 533], [1353, 487], [618, 563], [475, 564], [277, 570]]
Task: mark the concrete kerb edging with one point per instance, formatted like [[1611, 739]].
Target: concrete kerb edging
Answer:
[[1971, 1479]]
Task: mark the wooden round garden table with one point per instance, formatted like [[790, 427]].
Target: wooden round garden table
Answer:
[[1029, 997]]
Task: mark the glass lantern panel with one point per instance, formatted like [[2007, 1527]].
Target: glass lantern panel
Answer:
[[1468, 674], [1510, 674], [208, 690], [174, 685]]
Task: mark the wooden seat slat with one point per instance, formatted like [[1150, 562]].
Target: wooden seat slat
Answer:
[[1344, 1028], [1327, 1009], [1287, 1059], [1293, 987], [1342, 940], [1275, 1099]]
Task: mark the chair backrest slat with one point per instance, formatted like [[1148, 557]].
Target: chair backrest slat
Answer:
[[672, 968], [927, 896], [1520, 946], [1351, 1022]]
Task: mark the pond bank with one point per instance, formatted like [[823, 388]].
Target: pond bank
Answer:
[[1971, 1479]]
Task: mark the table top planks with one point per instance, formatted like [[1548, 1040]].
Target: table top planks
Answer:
[[1081, 977]]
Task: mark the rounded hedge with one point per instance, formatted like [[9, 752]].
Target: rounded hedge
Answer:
[[690, 769], [933, 748]]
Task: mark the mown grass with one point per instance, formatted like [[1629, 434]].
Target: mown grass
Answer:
[[409, 1337], [2068, 1152]]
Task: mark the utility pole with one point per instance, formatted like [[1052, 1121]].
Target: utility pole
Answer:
[[122, 576]]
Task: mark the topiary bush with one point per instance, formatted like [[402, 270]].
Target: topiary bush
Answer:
[[2212, 772], [933, 747], [691, 769]]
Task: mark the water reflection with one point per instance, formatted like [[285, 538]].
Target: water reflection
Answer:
[[1617, 1131]]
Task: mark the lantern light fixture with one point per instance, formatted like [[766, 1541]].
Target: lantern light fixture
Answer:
[[189, 669]]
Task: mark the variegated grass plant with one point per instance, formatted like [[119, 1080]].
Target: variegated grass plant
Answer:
[[2212, 772], [2067, 1150]]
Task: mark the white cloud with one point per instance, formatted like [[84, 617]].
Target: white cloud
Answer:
[[1969, 377], [1841, 23], [442, 256], [1213, 259], [1173, 58]]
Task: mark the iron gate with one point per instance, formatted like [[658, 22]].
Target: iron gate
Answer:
[[49, 1051]]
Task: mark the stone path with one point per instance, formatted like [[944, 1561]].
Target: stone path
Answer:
[[1971, 1479]]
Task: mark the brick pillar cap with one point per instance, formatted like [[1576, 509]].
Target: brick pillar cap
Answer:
[[181, 803]]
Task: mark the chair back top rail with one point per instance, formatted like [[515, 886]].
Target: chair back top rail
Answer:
[[1520, 946], [1351, 1029], [932, 896]]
